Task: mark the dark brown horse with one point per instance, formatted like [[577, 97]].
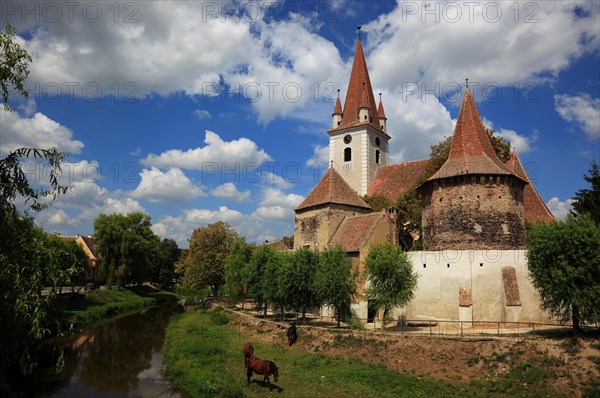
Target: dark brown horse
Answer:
[[248, 351], [262, 367], [292, 334]]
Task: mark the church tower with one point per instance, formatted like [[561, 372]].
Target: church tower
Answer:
[[358, 140]]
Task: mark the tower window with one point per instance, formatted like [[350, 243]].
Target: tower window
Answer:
[[377, 153], [365, 117], [347, 154], [377, 141]]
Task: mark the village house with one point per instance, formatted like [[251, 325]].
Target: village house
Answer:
[[88, 244], [475, 209]]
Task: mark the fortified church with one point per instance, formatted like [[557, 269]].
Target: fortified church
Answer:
[[475, 208]]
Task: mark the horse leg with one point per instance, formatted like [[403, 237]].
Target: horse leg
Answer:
[[249, 374]]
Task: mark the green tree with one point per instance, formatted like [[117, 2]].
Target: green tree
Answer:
[[392, 281], [205, 262], [564, 265], [28, 263], [255, 273], [273, 281], [14, 65], [587, 201], [33, 266], [299, 280], [410, 212], [377, 202], [127, 246], [237, 260], [163, 268], [336, 281]]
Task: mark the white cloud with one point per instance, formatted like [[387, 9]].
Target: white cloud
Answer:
[[278, 181], [170, 187], [56, 218], [38, 131], [581, 109], [519, 143], [320, 157], [202, 114], [558, 208], [275, 205], [216, 153], [228, 190], [544, 38]]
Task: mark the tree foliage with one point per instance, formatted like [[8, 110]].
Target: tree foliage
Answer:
[[127, 246], [300, 280], [392, 281], [336, 282], [30, 262], [237, 260], [14, 65], [587, 201], [564, 264], [377, 202], [254, 275], [208, 250], [163, 268]]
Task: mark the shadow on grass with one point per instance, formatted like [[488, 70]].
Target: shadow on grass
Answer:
[[263, 384]]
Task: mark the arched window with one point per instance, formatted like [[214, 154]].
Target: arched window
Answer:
[[347, 155], [377, 153]]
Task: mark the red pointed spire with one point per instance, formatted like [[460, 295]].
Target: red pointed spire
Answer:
[[380, 110], [337, 109], [358, 76], [471, 151]]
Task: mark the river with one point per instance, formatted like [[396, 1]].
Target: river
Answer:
[[114, 359]]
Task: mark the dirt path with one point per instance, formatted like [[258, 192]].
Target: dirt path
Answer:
[[566, 366]]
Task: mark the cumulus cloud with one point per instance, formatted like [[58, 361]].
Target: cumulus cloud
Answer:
[[216, 153], [519, 143], [38, 131], [229, 191], [172, 186], [52, 218], [582, 110], [560, 209], [320, 157]]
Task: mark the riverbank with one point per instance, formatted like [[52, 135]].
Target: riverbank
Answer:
[[203, 356], [82, 310]]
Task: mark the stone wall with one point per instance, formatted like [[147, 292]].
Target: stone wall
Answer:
[[473, 212], [314, 227]]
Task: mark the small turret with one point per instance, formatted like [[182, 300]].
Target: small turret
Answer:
[[381, 116], [364, 109], [337, 113]]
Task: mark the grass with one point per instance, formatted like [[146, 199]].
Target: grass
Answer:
[[82, 310], [203, 355]]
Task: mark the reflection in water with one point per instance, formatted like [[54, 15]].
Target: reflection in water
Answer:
[[119, 358]]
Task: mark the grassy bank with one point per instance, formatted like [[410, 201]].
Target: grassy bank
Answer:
[[204, 356], [81, 310]]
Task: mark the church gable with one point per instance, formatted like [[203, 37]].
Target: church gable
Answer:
[[332, 189]]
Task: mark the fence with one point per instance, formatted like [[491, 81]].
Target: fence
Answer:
[[438, 328]]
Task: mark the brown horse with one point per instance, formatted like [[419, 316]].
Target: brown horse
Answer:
[[248, 352], [262, 367], [292, 334]]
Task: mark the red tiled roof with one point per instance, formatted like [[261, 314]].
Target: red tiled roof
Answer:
[[354, 231], [380, 110], [332, 189], [535, 208], [394, 180], [471, 151], [359, 77]]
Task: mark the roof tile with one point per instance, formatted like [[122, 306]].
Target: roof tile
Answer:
[[332, 189]]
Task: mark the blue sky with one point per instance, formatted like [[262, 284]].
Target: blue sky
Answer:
[[195, 112]]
